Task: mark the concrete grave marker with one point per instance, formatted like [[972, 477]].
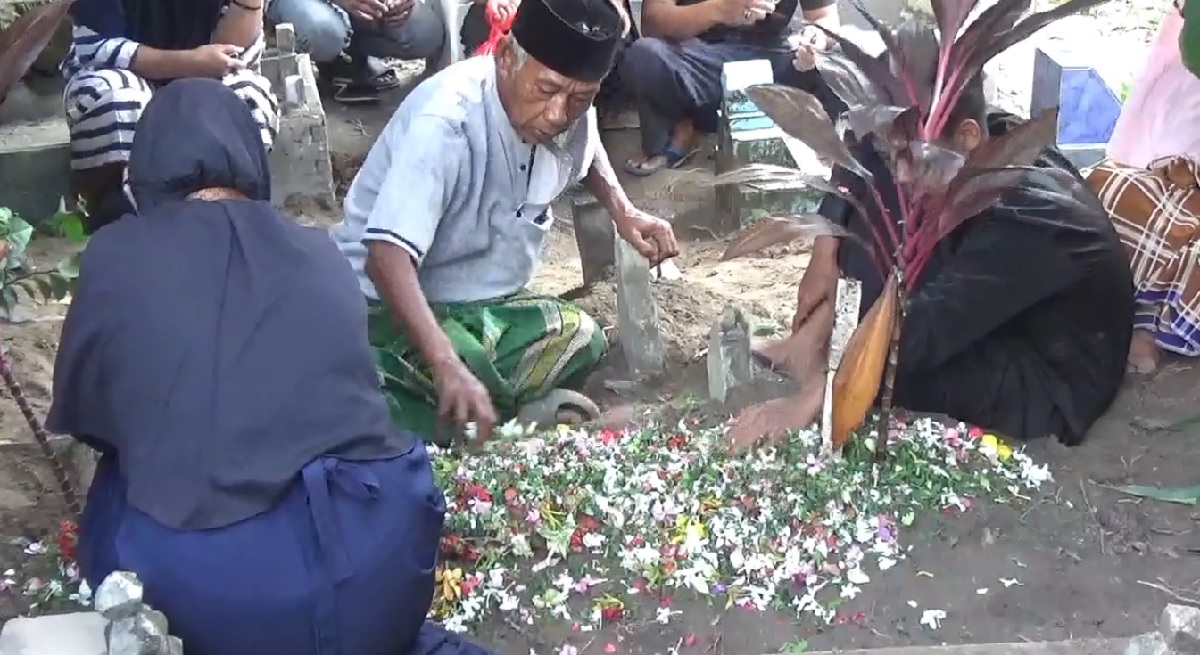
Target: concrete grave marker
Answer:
[[301, 172], [846, 309], [1065, 77], [594, 235], [728, 358], [637, 312], [79, 633]]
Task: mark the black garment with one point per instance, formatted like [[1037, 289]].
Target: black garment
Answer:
[[673, 81], [214, 347], [161, 24], [1021, 321], [770, 32]]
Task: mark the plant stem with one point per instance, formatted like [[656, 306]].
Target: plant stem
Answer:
[[889, 377], [41, 436]]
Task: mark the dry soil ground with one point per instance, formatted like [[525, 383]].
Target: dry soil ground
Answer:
[[1088, 561]]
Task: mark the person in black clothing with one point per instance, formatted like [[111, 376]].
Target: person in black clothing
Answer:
[[1020, 323], [674, 71]]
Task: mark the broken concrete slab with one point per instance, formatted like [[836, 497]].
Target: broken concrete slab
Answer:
[[1073, 647], [301, 171], [638, 329], [80, 633], [728, 358], [845, 321], [1179, 626], [35, 157]]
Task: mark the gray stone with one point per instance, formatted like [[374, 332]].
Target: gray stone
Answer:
[[120, 596], [145, 633], [35, 163], [301, 171], [1180, 628], [637, 312], [1151, 643], [594, 235], [1064, 76], [80, 633], [846, 311], [728, 356]]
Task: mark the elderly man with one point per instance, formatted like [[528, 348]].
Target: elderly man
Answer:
[[674, 71], [346, 38], [446, 221]]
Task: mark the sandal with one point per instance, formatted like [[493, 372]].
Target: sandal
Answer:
[[548, 410], [371, 72], [671, 158]]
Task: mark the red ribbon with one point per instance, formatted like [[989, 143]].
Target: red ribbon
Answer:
[[500, 27]]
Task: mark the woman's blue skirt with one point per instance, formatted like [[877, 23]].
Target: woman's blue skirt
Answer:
[[342, 565]]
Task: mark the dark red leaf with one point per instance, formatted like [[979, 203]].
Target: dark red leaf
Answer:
[[801, 115], [779, 230], [878, 69], [917, 40], [973, 191], [893, 127], [934, 167], [952, 15], [25, 39], [1020, 146], [848, 81]]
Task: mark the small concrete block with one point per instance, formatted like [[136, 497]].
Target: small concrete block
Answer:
[[594, 234], [1065, 77], [728, 358], [36, 160], [846, 311], [637, 312], [285, 38], [80, 633], [1180, 628]]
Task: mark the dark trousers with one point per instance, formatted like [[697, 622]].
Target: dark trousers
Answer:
[[672, 81]]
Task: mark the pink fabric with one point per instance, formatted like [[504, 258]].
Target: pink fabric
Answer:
[[1161, 117]]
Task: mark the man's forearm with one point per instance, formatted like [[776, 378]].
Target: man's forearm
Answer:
[[825, 249], [240, 26], [394, 275], [666, 20], [602, 182]]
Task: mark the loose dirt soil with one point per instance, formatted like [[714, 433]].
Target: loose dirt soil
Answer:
[[1087, 560]]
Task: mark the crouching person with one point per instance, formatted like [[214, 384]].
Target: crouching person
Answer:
[[215, 353], [446, 220], [122, 50]]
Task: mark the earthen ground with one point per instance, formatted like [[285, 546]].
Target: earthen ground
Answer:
[[1089, 561]]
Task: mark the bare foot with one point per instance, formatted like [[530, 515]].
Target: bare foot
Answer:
[[1143, 353], [772, 420], [803, 352]]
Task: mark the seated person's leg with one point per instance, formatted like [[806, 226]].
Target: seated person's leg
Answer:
[[420, 36], [322, 30], [255, 91], [671, 83], [521, 348], [103, 108]]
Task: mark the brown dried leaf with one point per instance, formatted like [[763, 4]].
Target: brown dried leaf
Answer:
[[860, 373], [801, 115], [779, 230], [25, 39]]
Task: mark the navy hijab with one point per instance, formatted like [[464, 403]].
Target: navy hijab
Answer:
[[161, 24], [214, 347]]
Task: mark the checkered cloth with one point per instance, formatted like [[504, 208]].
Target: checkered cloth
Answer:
[[1156, 212]]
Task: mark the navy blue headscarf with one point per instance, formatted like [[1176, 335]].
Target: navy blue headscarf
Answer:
[[162, 24], [214, 347]]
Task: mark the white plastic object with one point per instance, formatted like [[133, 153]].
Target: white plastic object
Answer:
[[453, 13]]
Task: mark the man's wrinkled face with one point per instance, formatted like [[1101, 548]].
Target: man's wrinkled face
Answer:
[[541, 103]]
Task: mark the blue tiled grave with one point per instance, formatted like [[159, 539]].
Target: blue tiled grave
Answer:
[[748, 136], [1088, 107]]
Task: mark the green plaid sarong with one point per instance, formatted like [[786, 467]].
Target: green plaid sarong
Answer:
[[520, 347]]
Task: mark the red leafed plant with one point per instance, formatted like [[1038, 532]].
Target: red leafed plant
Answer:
[[902, 102], [20, 44]]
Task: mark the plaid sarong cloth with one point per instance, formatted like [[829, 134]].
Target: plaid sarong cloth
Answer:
[[520, 347], [1156, 212]]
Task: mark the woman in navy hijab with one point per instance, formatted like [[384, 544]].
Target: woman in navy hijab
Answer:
[[216, 354]]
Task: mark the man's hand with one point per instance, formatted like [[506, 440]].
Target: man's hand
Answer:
[[215, 60], [462, 399], [504, 10], [652, 237], [817, 286], [369, 10], [398, 12], [745, 12]]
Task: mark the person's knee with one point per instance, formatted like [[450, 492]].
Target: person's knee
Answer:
[[255, 90], [643, 62], [321, 29], [422, 36]]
